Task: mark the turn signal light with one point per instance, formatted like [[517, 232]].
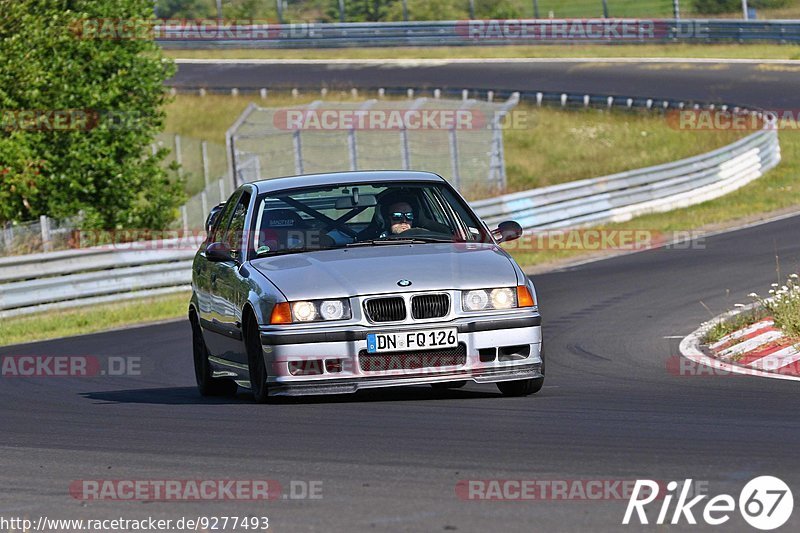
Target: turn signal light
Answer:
[[281, 314], [524, 298]]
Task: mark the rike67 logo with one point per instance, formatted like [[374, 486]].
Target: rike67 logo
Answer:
[[765, 503]]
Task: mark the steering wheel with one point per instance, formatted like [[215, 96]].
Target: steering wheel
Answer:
[[416, 232]]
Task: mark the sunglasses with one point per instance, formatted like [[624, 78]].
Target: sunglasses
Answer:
[[399, 217]]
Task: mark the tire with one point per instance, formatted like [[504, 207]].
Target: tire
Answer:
[[207, 385], [523, 387], [448, 385], [255, 362]]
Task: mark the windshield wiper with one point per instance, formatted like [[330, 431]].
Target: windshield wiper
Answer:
[[274, 253], [385, 242]]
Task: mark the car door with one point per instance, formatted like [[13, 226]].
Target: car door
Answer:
[[203, 268], [228, 288]]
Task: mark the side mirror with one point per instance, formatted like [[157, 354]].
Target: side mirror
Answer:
[[218, 252], [507, 231]]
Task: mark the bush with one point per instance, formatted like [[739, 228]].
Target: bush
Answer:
[[105, 170]]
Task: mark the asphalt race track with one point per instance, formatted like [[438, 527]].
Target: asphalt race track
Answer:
[[390, 461], [767, 84], [613, 407]]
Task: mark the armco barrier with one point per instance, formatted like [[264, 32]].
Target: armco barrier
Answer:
[[479, 32], [620, 197]]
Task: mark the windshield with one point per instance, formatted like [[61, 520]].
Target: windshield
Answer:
[[362, 215]]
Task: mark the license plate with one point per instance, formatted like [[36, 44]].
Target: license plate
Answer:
[[429, 339]]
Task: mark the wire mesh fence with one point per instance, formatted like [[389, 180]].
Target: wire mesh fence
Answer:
[[459, 139], [43, 235]]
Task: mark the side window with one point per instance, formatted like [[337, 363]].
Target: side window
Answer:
[[217, 232], [234, 234]]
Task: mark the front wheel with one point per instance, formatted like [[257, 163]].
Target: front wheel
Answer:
[[448, 385], [255, 363], [207, 385], [522, 387]]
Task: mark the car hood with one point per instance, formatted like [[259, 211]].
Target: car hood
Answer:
[[377, 269]]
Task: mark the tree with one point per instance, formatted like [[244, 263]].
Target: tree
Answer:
[[185, 9], [60, 57], [361, 10]]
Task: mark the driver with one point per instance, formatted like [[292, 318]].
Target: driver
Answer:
[[400, 217]]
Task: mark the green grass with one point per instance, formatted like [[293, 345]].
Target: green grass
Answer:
[[777, 190], [731, 51], [80, 321], [736, 322]]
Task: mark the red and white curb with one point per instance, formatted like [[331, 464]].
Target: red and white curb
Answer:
[[760, 349]]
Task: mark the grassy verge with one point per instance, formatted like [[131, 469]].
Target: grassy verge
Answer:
[[736, 322], [728, 51], [777, 190], [56, 324], [545, 145]]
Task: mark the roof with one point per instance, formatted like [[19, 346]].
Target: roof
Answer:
[[342, 178]]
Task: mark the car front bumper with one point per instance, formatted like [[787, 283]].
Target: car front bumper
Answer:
[[515, 339]]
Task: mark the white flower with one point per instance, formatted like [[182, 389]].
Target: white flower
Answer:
[[784, 288], [752, 295], [774, 285], [794, 276], [739, 305], [772, 291]]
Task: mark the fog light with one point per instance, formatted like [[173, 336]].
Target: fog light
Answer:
[[333, 366], [312, 367]]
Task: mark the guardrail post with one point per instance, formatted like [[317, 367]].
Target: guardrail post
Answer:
[[204, 154], [298, 152], [454, 159], [45, 226], [179, 155], [204, 202], [185, 218], [8, 233]]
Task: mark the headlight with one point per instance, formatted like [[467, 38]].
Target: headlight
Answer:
[[304, 311], [500, 298], [310, 311]]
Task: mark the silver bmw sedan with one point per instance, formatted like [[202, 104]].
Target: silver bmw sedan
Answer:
[[332, 283]]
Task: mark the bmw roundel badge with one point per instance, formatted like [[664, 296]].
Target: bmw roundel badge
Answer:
[[404, 283]]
